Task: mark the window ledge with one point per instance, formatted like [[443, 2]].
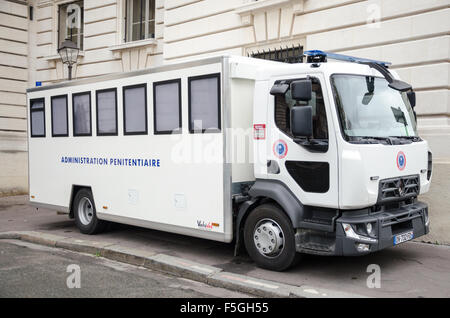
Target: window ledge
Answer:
[[133, 44], [255, 6], [54, 58]]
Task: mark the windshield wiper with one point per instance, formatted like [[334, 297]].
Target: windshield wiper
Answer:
[[371, 139], [390, 140], [412, 138]]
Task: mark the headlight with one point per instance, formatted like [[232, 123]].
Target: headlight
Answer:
[[369, 228], [349, 232], [366, 229]]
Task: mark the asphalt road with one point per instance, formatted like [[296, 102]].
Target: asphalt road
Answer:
[[29, 270], [408, 270]]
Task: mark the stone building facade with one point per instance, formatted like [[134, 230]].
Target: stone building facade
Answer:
[[124, 35]]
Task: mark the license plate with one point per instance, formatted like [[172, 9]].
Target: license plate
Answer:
[[403, 237]]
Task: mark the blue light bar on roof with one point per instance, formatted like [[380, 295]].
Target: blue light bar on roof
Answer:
[[346, 58]]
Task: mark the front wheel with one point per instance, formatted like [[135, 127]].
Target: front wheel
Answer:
[[85, 213], [270, 239]]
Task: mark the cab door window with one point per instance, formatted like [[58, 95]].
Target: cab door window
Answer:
[[283, 105]]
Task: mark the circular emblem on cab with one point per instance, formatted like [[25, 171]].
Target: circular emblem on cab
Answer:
[[401, 160], [280, 149]]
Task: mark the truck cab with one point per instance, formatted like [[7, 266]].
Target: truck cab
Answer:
[[338, 163]]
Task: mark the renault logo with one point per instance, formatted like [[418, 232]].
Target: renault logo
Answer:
[[401, 188]]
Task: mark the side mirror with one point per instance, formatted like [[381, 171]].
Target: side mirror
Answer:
[[279, 88], [301, 90], [412, 98], [301, 121], [400, 85]]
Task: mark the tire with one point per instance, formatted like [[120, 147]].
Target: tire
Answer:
[[268, 226], [85, 213]]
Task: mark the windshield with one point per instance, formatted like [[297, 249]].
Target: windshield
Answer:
[[368, 107]]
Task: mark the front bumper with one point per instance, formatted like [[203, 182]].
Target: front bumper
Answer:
[[388, 224]]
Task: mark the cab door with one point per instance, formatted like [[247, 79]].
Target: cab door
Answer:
[[308, 166]]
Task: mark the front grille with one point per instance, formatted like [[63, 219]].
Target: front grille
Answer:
[[398, 189]]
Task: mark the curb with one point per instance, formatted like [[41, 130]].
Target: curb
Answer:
[[176, 266]]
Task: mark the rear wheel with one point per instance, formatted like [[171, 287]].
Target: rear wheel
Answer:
[[270, 239], [85, 213]]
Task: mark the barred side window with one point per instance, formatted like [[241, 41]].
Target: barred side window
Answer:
[[81, 109], [59, 116], [167, 106], [204, 103], [37, 117], [106, 106], [135, 109]]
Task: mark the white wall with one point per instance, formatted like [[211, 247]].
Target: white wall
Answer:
[[13, 82]]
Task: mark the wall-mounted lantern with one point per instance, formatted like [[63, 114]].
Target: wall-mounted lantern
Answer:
[[69, 54]]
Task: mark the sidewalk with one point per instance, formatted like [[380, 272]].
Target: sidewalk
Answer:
[[409, 270]]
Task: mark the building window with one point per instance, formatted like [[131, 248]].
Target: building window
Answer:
[[293, 54], [139, 20], [106, 102], [71, 23], [167, 107], [204, 103], [59, 116], [37, 117], [283, 105], [81, 110], [135, 109]]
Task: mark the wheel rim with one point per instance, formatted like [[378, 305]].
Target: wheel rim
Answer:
[[268, 238], [85, 211]]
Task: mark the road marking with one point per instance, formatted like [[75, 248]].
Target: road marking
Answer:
[[184, 264], [441, 162], [311, 291], [201, 268], [208, 270], [262, 284], [253, 282]]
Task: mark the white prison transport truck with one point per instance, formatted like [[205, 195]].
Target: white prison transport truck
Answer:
[[332, 161]]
